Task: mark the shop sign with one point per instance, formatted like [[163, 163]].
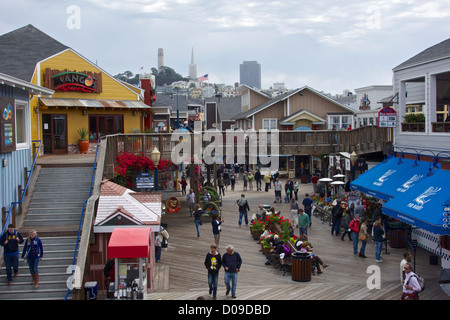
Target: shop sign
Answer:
[[73, 81], [387, 118], [7, 125], [145, 181]]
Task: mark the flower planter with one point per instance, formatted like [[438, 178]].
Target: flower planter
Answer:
[[83, 145], [256, 234]]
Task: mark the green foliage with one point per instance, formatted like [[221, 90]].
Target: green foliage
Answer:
[[166, 75], [83, 133], [414, 117]]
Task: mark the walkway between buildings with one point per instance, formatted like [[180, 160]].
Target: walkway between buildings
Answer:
[[181, 274]]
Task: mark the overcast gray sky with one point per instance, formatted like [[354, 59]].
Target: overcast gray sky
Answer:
[[329, 45]]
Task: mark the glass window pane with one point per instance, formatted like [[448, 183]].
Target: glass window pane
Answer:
[[21, 126]]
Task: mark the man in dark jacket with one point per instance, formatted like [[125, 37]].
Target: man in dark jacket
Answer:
[[213, 262], [336, 216], [258, 178], [231, 262], [10, 240], [378, 237]]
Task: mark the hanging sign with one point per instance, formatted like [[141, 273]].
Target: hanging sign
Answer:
[[7, 125], [173, 205], [387, 118]]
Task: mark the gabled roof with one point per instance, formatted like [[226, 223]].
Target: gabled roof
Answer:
[[437, 52], [227, 107], [283, 97], [22, 49], [115, 200], [302, 114], [244, 86]]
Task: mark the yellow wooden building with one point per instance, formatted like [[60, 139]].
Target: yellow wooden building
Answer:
[[86, 97]]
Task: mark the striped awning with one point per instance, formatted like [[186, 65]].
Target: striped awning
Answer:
[[93, 103]]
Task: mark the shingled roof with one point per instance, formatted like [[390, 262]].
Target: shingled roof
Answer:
[[433, 53], [22, 49]]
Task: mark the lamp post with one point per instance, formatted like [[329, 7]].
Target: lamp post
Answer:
[[155, 155], [353, 158]]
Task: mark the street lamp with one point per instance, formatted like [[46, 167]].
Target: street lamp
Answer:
[[155, 155], [353, 158]]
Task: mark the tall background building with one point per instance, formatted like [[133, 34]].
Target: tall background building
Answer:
[[192, 67], [250, 74], [160, 58]]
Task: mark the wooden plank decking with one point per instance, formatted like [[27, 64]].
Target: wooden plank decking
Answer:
[[181, 274]]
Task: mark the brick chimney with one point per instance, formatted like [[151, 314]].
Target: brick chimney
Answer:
[[146, 85]]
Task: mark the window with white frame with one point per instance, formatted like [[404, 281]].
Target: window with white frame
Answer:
[[269, 124], [22, 124], [337, 122]]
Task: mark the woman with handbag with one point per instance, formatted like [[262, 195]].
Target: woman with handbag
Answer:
[[33, 252], [363, 234]]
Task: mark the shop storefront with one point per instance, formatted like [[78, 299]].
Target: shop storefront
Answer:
[[86, 99]]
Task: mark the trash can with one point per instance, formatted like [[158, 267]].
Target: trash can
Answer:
[[301, 266], [90, 289], [396, 235]]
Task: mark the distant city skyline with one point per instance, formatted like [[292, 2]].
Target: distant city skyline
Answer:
[[328, 45]]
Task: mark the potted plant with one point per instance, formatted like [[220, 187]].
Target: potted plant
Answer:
[[83, 141]]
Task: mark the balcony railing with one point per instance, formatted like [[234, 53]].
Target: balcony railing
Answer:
[[440, 126]]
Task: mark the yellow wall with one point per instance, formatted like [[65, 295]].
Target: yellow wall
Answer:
[[111, 90]]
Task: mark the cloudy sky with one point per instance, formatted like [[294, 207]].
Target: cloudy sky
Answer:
[[329, 45]]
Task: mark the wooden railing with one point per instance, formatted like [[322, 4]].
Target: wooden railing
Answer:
[[362, 140]]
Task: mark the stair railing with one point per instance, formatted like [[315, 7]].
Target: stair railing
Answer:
[[24, 191], [75, 268]]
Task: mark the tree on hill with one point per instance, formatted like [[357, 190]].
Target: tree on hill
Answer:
[[128, 77], [167, 75]]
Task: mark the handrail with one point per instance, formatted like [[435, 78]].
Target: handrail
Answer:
[[81, 219], [24, 190]]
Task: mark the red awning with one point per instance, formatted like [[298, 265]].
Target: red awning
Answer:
[[129, 243]]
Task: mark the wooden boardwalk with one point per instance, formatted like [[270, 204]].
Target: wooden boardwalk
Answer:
[[181, 274]]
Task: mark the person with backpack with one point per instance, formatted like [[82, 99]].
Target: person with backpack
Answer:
[[411, 287], [33, 253], [10, 240], [346, 225], [243, 209], [354, 227]]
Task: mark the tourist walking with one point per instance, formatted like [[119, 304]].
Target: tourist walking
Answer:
[[345, 223], [231, 262], [303, 222], [198, 219], [243, 209], [245, 178], [216, 227], [183, 185], [277, 188], [232, 180], [220, 185], [354, 227], [296, 190], [406, 258], [213, 262], [250, 178], [10, 240], [378, 237], [258, 178], [158, 246], [359, 209], [336, 216], [307, 206], [411, 287], [363, 235], [294, 212], [190, 199], [33, 253], [267, 178]]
